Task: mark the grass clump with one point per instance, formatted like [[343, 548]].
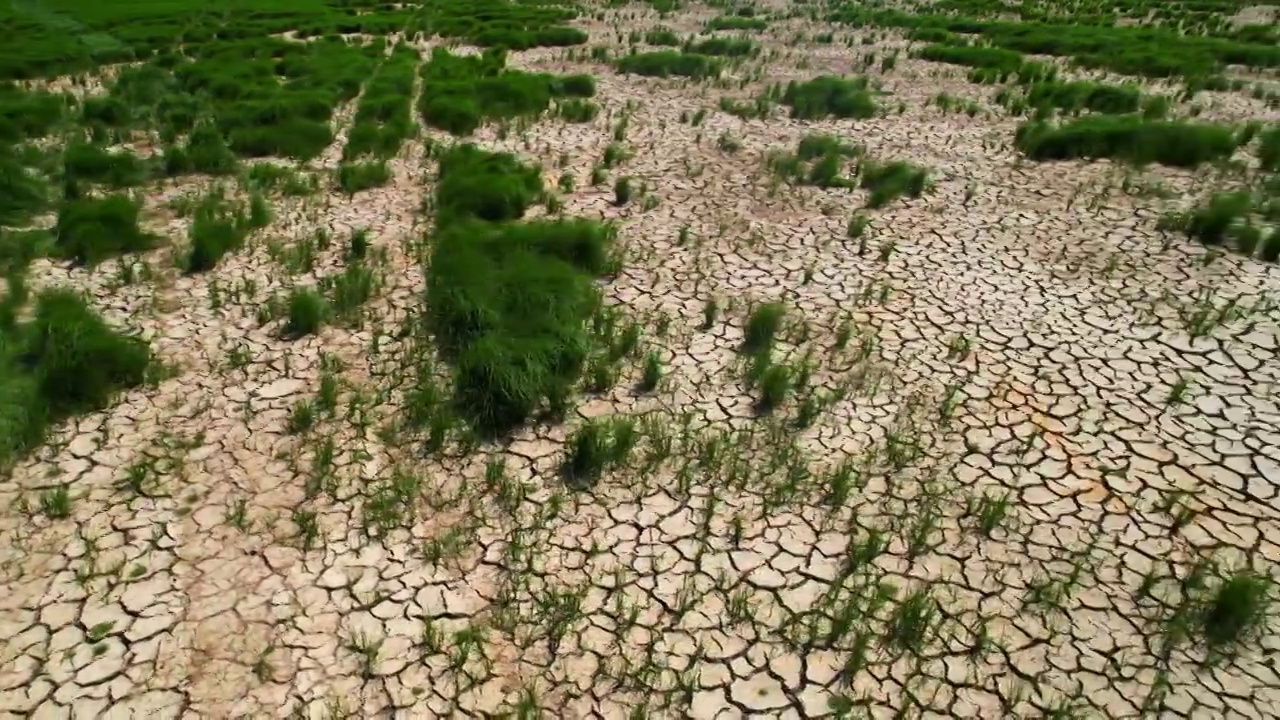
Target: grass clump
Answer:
[[508, 302], [1085, 95], [307, 310], [1235, 611], [763, 325], [354, 177], [668, 63], [1129, 138], [819, 159], [90, 230], [462, 92], [65, 360], [85, 162], [891, 180], [662, 37], [597, 446], [734, 22], [384, 118], [724, 47], [23, 195], [830, 96]]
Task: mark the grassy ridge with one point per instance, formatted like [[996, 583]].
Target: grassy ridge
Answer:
[[64, 361], [461, 92], [1126, 49], [1129, 138], [384, 118], [508, 302]]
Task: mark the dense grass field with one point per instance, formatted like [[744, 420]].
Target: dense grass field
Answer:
[[639, 359]]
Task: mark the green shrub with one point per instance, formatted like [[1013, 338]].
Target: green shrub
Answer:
[[577, 111], [83, 162], [1178, 144], [887, 181], [723, 47], [668, 63], [307, 311], [90, 230], [1083, 95], [762, 328], [22, 194], [217, 228], [662, 37], [484, 185], [597, 446], [1269, 149], [729, 22], [354, 177], [827, 95]]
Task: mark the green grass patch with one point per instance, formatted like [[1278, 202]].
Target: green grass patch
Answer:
[[462, 92], [890, 180], [662, 37], [669, 63], [830, 96], [507, 301], [384, 118], [733, 22], [65, 360], [1128, 138], [723, 47], [23, 194], [1084, 95], [88, 163], [90, 230], [356, 176]]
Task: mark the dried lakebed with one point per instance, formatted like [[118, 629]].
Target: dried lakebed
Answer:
[[1035, 419]]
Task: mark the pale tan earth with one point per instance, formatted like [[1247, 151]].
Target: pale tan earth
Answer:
[[704, 584]]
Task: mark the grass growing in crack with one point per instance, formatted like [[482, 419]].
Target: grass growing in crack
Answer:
[[775, 385], [990, 512], [652, 373], [596, 447], [302, 418], [1236, 611], [763, 325], [913, 621], [55, 503], [891, 180]]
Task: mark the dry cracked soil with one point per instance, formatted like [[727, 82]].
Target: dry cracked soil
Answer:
[[1024, 437]]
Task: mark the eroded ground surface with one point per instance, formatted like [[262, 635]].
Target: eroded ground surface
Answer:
[[1015, 332]]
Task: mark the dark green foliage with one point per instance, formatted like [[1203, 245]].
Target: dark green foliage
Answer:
[[1236, 610], [90, 230], [1269, 149], [577, 111], [668, 63], [206, 152], [827, 95], [384, 117], [622, 191], [723, 47], [729, 22], [887, 181], [597, 446], [83, 162], [1211, 224], [1178, 144], [508, 302], [66, 360], [775, 383], [216, 229], [22, 194], [356, 176], [662, 36], [762, 328], [484, 185], [1269, 248], [1083, 95], [307, 311], [28, 114], [461, 92]]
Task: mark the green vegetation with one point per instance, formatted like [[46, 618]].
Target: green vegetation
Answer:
[[83, 162], [890, 180], [1084, 95], [462, 92], [830, 96], [22, 193], [662, 37], [66, 360], [723, 47], [1235, 219], [819, 160], [668, 63], [732, 22], [356, 176], [384, 118], [597, 446], [1129, 138], [91, 230], [508, 301]]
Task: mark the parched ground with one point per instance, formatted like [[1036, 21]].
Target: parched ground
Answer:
[[1017, 332]]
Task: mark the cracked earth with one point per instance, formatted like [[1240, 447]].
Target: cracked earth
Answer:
[[1017, 333]]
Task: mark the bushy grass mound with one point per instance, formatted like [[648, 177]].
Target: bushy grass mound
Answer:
[[384, 118], [85, 162], [217, 228], [65, 360], [356, 176], [27, 114], [669, 63], [462, 92], [723, 47], [1129, 138], [507, 301], [1085, 95], [1237, 220], [662, 37], [732, 22], [206, 152], [830, 96], [90, 230], [22, 194], [819, 159], [891, 180]]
